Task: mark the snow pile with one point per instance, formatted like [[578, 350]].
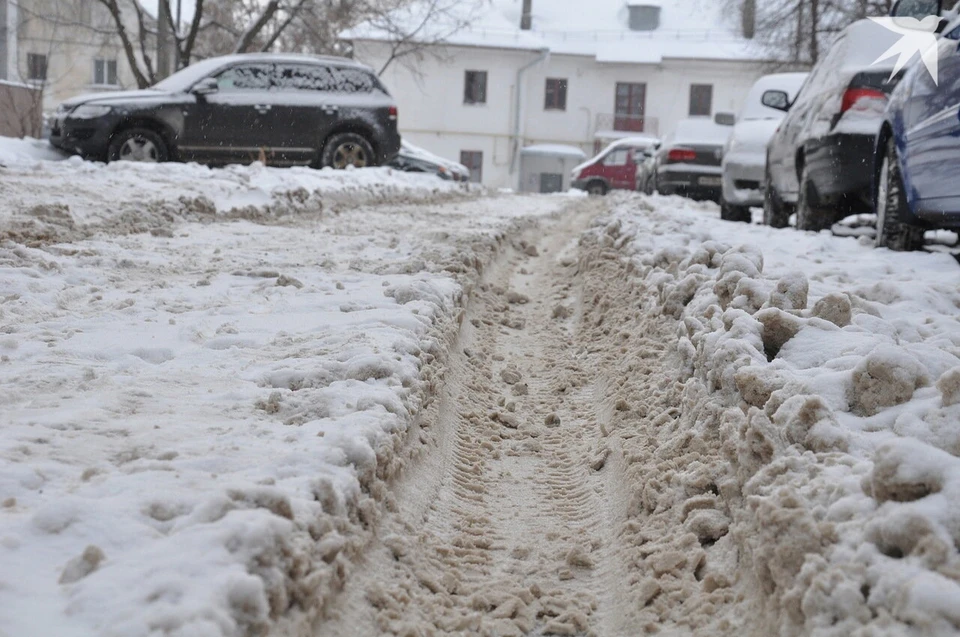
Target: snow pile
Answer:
[[820, 391], [197, 423], [14, 151], [73, 199]]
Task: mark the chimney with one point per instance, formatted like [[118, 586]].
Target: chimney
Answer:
[[526, 19], [748, 17]]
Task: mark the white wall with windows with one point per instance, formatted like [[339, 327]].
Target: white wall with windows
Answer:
[[437, 112]]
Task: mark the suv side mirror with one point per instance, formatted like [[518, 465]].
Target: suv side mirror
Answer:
[[725, 119], [918, 9], [205, 86], [776, 99]]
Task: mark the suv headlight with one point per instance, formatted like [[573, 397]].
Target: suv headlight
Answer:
[[89, 111]]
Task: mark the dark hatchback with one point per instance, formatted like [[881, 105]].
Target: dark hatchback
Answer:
[[280, 109]]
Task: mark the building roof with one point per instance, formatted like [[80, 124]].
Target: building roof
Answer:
[[689, 29]]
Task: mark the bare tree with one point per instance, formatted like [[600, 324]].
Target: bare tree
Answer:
[[797, 32], [412, 29], [245, 25]]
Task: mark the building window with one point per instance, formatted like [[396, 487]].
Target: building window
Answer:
[[643, 16], [473, 160], [475, 87], [36, 67], [105, 72], [701, 99], [629, 104], [556, 95]]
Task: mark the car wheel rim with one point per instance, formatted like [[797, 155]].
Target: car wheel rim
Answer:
[[883, 192], [139, 149], [349, 154]]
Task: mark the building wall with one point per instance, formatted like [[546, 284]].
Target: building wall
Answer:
[[429, 93], [71, 34]]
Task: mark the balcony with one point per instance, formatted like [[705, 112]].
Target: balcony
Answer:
[[607, 124]]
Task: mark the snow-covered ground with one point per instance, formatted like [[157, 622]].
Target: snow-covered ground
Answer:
[[227, 394], [197, 398], [828, 373]]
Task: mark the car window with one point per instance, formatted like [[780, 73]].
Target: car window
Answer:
[[302, 77], [246, 77], [354, 81], [616, 158]]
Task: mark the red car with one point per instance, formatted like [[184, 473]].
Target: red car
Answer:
[[615, 167]]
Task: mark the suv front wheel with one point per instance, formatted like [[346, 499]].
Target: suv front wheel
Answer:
[[137, 144], [892, 231], [347, 149]]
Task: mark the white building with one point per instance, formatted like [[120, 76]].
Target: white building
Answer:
[[588, 72]]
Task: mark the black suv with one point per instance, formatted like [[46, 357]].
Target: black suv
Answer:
[[280, 109]]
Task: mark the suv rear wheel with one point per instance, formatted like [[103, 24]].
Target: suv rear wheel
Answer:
[[347, 149], [811, 214], [138, 144], [892, 231]]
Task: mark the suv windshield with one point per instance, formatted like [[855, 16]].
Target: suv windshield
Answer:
[[182, 80]]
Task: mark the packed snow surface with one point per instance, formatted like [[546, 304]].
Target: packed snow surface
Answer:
[[202, 375]]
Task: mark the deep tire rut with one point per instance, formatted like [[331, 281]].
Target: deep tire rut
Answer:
[[514, 520]]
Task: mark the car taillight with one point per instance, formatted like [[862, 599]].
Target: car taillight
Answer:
[[392, 112], [853, 95], [681, 154]]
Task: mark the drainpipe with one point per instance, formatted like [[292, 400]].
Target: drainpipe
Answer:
[[517, 103]]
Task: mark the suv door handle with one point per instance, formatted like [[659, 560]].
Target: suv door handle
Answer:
[[262, 108], [330, 110]]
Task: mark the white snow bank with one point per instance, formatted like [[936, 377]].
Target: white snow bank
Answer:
[[73, 199], [13, 150], [195, 421], [831, 373]]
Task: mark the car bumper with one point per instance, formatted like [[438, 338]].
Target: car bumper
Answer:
[[841, 164], [703, 182], [743, 177], [579, 184], [85, 137], [389, 149]]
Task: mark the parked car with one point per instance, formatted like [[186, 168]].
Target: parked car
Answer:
[[918, 151], [820, 160], [745, 154], [282, 109], [688, 162], [418, 160], [615, 167]]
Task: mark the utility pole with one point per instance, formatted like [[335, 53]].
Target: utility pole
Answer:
[[176, 52], [164, 40]]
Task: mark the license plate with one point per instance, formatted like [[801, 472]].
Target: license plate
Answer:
[[709, 181]]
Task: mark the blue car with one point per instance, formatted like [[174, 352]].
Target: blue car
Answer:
[[917, 185]]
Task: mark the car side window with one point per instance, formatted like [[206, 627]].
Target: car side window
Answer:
[[616, 158], [354, 81], [246, 77], [302, 77]]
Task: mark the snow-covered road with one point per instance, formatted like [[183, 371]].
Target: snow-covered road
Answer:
[[252, 401]]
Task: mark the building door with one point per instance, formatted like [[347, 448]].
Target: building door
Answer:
[[473, 160], [551, 182], [629, 106]]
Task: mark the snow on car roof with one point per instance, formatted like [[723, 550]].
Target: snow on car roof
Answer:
[[690, 29], [553, 149], [422, 153]]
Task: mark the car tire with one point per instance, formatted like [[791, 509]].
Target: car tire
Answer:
[[730, 212], [597, 188], [138, 144], [776, 214], [811, 214], [892, 231], [347, 149]]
